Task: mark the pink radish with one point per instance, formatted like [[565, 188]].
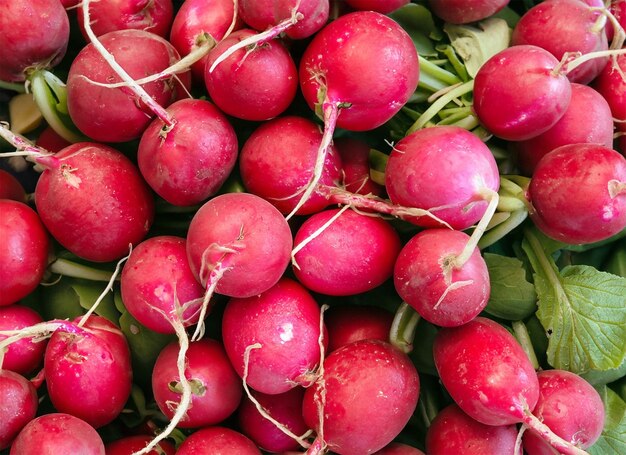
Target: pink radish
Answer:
[[354, 155], [348, 323], [51, 141], [40, 41], [19, 405], [611, 83], [58, 433], [190, 162], [398, 448], [10, 187], [217, 441], [453, 431], [272, 339], [339, 252], [24, 355], [216, 387], [364, 385], [466, 11], [578, 193], [131, 444], [380, 6], [571, 407]]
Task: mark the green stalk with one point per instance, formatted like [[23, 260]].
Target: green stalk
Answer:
[[73, 269], [402, 331], [435, 78], [523, 337], [13, 86]]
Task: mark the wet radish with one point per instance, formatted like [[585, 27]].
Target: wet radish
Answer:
[[217, 441], [466, 11], [10, 187], [380, 6], [348, 323], [131, 444], [354, 154], [24, 355], [19, 405]]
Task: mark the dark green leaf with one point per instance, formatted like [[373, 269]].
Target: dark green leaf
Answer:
[[418, 23], [613, 438]]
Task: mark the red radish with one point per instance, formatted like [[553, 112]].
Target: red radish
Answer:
[[285, 408], [380, 6], [93, 201], [354, 155], [25, 355], [19, 405], [398, 448], [58, 433], [158, 286], [429, 278], [466, 11], [353, 254], [201, 21], [256, 84], [348, 323], [272, 339], [35, 34], [571, 407], [446, 170], [88, 371], [23, 251], [153, 16], [587, 119], [216, 387], [190, 162], [117, 114], [363, 386], [578, 193], [131, 444], [573, 27], [453, 431], [611, 83], [10, 187], [217, 441], [50, 140]]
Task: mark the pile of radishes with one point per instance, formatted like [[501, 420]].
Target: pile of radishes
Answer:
[[311, 226]]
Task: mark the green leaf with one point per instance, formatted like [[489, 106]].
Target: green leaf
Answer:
[[70, 298], [512, 297], [89, 292], [613, 438], [478, 43], [418, 22]]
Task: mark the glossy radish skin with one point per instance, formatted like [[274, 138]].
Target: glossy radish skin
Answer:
[[256, 84], [279, 177], [571, 407], [354, 254], [192, 160], [35, 34], [578, 193], [368, 384], [466, 11], [338, 65], [522, 78], [424, 278], [116, 114], [561, 26], [587, 119], [486, 372], [398, 448], [131, 444], [354, 155], [217, 441], [24, 355], [88, 372], [453, 431], [285, 407], [154, 16], [262, 14], [254, 229], [348, 323], [50, 140], [612, 86], [58, 433], [216, 387], [94, 202], [19, 405], [201, 21], [157, 279], [23, 251], [380, 6], [10, 187], [285, 321], [446, 170]]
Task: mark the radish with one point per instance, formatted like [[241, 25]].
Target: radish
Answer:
[[453, 431], [10, 187], [93, 201], [354, 154], [256, 84], [23, 251], [50, 140], [587, 119], [158, 287], [578, 193], [131, 444], [363, 386], [398, 448], [19, 405], [465, 11], [190, 162], [217, 441], [272, 339], [35, 34], [573, 27], [489, 376], [571, 407], [216, 387], [88, 371], [348, 323], [611, 83], [154, 16], [338, 252], [24, 355], [58, 433], [380, 6]]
